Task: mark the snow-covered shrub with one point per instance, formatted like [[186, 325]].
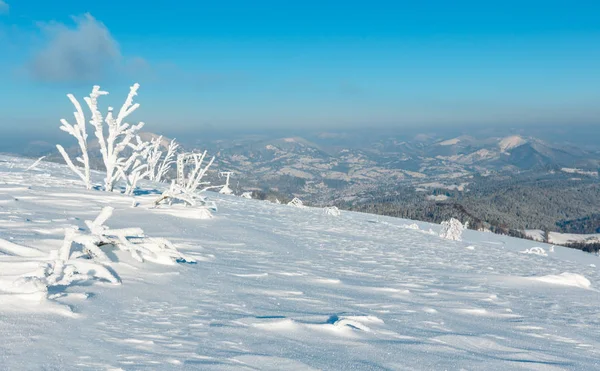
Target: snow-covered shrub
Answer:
[[157, 169], [247, 195], [132, 240], [296, 202], [332, 210], [535, 251], [135, 167], [452, 229], [226, 190], [186, 189], [113, 135]]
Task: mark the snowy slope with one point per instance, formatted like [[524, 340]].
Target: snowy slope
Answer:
[[563, 238], [277, 287], [508, 143]]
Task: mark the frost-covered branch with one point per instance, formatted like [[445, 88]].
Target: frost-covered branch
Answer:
[[77, 130], [135, 167], [118, 135], [158, 169], [132, 240]]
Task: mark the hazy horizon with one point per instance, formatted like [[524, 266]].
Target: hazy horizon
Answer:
[[316, 66]]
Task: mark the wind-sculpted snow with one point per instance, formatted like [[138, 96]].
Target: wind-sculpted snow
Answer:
[[278, 287]]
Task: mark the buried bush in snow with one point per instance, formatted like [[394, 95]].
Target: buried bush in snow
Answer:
[[332, 210], [81, 258], [132, 240], [296, 202], [247, 195], [535, 250], [452, 229]]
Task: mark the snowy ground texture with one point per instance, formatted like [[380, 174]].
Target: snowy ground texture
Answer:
[[277, 287]]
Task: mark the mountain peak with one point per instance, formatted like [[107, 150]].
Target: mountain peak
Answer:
[[508, 143]]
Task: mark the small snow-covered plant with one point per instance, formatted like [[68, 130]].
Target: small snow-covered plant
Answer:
[[452, 229], [535, 251], [158, 169], [296, 202], [191, 180], [78, 130], [135, 167], [226, 190], [132, 240], [332, 210], [187, 188], [246, 195]]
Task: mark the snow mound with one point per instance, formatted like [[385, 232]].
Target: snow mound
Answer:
[[565, 279], [511, 142], [535, 250]]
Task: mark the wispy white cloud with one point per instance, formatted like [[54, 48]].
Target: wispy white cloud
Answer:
[[4, 8], [83, 53]]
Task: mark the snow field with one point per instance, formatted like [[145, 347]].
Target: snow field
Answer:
[[276, 287]]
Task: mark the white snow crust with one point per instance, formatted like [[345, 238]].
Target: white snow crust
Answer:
[[275, 287]]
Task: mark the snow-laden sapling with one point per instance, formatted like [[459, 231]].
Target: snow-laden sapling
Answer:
[[452, 229], [190, 184], [112, 133]]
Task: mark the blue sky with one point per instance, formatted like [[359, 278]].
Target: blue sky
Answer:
[[309, 64]]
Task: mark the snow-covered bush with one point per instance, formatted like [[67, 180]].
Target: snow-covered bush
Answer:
[[186, 189], [296, 202], [535, 251], [157, 169], [113, 135], [135, 167], [247, 195], [332, 210], [132, 240], [452, 229], [226, 190]]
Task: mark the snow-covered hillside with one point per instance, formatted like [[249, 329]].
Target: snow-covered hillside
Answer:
[[278, 287], [563, 238]]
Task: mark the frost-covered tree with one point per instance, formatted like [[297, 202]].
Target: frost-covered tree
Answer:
[[452, 229], [78, 130], [113, 134]]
